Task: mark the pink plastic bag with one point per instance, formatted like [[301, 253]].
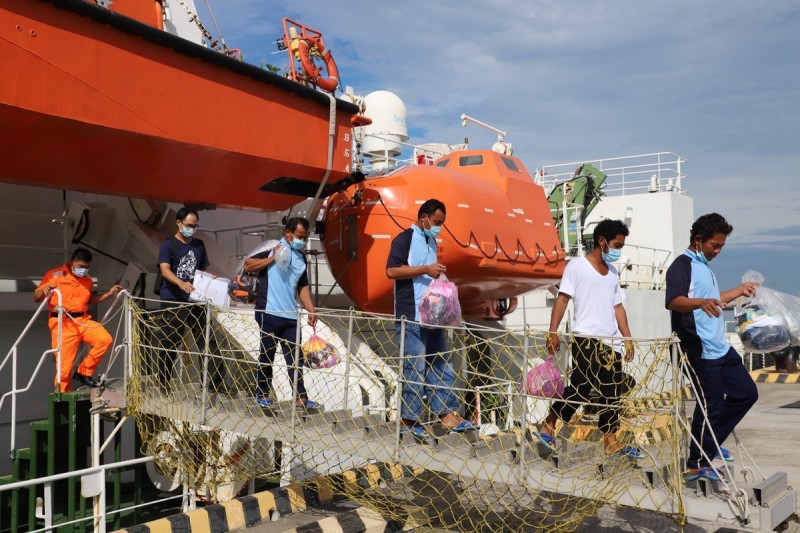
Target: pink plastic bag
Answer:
[[439, 305], [319, 353], [545, 380]]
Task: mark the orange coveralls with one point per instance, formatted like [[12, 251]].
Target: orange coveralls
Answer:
[[75, 295]]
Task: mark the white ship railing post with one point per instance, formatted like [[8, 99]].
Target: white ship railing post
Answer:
[[206, 355], [398, 393], [347, 362], [60, 310], [524, 411], [677, 482]]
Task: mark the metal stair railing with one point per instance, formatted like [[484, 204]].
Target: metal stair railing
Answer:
[[14, 350]]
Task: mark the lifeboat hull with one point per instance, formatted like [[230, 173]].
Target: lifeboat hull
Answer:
[[498, 241], [94, 101]]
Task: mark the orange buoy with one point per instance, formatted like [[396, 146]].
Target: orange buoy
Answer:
[[309, 47]]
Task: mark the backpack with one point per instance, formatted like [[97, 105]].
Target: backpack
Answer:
[[173, 251], [243, 287]]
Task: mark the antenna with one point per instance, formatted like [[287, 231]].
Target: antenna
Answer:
[[501, 146]]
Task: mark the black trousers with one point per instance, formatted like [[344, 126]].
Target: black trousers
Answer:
[[278, 330], [174, 319], [597, 377]]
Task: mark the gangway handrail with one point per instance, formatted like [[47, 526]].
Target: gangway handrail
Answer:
[[12, 355], [48, 481]]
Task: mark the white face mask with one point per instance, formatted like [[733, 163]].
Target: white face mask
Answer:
[[80, 272]]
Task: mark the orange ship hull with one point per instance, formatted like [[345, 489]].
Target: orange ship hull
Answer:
[[498, 241], [94, 101]]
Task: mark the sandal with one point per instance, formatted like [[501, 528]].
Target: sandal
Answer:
[[265, 403], [546, 440], [462, 426], [724, 455], [706, 473], [627, 451], [418, 430], [308, 405]]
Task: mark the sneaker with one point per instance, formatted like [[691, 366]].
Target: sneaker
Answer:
[[308, 405], [265, 403]]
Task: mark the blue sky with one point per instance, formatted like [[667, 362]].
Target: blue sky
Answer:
[[716, 82]]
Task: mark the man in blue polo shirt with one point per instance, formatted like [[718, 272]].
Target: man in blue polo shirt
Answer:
[[725, 390], [413, 265], [276, 310]]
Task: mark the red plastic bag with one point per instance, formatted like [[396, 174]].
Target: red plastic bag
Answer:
[[319, 353], [544, 380], [439, 305]]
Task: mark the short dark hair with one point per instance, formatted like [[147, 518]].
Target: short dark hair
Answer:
[[608, 229], [292, 223], [81, 254], [709, 225], [430, 207], [185, 211]]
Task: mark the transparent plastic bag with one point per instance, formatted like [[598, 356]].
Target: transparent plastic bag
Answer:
[[319, 353], [283, 257], [439, 305], [544, 380], [791, 312], [777, 303], [243, 287], [761, 322]]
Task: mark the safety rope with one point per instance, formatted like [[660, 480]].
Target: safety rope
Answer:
[[498, 245]]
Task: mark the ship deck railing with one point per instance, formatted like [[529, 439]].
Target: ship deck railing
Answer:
[[634, 174]]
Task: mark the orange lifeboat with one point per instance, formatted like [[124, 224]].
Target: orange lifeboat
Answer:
[[102, 100], [498, 241]]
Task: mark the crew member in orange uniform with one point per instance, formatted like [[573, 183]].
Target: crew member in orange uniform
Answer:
[[72, 280]]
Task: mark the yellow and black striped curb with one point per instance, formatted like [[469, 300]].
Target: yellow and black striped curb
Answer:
[[248, 511], [766, 375], [356, 521]]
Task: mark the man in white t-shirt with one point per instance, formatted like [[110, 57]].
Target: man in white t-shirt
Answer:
[[593, 285]]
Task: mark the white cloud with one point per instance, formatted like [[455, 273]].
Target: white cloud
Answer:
[[715, 82]]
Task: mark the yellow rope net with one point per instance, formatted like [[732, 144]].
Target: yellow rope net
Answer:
[[195, 405]]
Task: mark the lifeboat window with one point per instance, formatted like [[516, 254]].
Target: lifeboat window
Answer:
[[510, 164], [442, 163], [470, 160]]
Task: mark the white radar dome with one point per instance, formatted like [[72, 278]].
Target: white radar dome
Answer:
[[389, 125]]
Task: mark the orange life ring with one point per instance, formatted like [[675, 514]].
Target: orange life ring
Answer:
[[312, 71]]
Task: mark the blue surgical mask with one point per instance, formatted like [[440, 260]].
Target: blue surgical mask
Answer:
[[433, 231], [80, 272], [612, 255], [297, 244], [187, 232], [701, 257]]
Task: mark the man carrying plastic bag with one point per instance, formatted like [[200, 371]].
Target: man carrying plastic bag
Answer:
[[725, 390], [413, 265]]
